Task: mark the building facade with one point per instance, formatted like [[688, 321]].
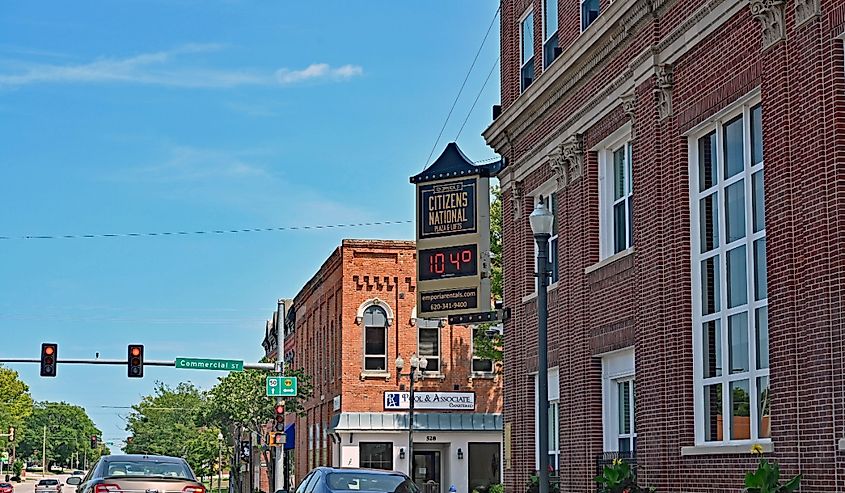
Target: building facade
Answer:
[[348, 325], [692, 152]]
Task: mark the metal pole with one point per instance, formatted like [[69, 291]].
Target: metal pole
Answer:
[[44, 453], [279, 464], [219, 466], [542, 360], [411, 427]]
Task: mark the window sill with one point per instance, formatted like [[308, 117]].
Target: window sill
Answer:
[[433, 376], [609, 260], [551, 287], [768, 447], [482, 375], [842, 445], [367, 374]]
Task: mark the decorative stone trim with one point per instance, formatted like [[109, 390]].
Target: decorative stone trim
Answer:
[[517, 198], [572, 154], [359, 317], [716, 449], [663, 89], [629, 106], [806, 10], [560, 169], [770, 15]]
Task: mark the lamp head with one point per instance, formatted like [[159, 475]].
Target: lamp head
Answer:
[[541, 219]]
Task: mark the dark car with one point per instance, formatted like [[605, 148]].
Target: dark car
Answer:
[[332, 479], [145, 473], [7, 488]]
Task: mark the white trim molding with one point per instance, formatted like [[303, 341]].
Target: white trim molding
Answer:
[[842, 444], [768, 448], [359, 317]]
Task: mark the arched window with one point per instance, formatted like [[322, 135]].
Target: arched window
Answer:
[[375, 339]]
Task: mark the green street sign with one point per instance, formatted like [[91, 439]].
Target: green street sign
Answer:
[[281, 386], [209, 364]]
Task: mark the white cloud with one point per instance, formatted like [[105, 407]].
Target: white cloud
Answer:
[[318, 71], [160, 68]]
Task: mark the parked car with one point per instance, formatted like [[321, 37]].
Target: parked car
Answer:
[[7, 488], [118, 473], [334, 479], [48, 486]]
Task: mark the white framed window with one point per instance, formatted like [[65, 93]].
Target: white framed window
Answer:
[[730, 295], [428, 343], [554, 419], [526, 49], [375, 339], [482, 365], [589, 13], [616, 196], [550, 26], [548, 195], [619, 401]]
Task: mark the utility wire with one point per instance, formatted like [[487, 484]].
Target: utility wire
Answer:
[[205, 232], [478, 96], [463, 84]]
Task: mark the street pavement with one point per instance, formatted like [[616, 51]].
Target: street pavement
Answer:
[[28, 486]]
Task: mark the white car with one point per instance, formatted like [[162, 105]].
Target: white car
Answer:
[[48, 486]]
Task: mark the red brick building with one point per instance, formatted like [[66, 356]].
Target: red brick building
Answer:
[[347, 326], [696, 306]]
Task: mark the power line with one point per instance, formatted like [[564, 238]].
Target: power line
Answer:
[[478, 96], [204, 232], [463, 84]]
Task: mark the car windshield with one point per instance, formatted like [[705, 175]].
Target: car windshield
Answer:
[[48, 482], [148, 468], [367, 481]]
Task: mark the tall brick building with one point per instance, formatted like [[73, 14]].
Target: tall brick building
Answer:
[[696, 302], [346, 328]]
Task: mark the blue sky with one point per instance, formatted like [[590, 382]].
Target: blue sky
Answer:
[[154, 116]]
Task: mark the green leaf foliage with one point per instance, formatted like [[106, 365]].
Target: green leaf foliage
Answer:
[[68, 431], [766, 479], [15, 404]]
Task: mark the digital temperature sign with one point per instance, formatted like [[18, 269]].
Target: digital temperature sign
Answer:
[[447, 262]]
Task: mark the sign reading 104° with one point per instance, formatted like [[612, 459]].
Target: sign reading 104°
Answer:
[[447, 208], [453, 235]]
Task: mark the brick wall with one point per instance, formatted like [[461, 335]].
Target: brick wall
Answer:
[[330, 346], [644, 299]]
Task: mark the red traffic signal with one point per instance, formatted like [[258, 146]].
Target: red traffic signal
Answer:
[[279, 419], [94, 441], [135, 361], [49, 355]]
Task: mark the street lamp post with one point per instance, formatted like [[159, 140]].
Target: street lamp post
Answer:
[[542, 220], [219, 461], [418, 365]]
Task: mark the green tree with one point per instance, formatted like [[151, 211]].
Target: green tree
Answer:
[[172, 421], [239, 403], [68, 431], [15, 404], [484, 344]]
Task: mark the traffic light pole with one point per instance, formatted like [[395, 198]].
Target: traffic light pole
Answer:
[[279, 463]]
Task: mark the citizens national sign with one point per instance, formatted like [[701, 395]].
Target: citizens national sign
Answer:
[[453, 236]]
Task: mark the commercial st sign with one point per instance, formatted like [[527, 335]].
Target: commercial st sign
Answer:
[[397, 401], [209, 364], [453, 236]]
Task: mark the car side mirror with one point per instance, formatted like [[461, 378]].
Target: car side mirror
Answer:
[[74, 480]]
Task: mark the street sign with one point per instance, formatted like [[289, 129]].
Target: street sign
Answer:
[[281, 386], [209, 364], [4, 458], [453, 235]]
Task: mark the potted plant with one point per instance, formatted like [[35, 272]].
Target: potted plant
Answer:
[[766, 479], [619, 477]]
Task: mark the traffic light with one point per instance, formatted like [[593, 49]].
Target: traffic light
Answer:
[[94, 441], [136, 361], [11, 433], [276, 439], [49, 355], [279, 419]]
